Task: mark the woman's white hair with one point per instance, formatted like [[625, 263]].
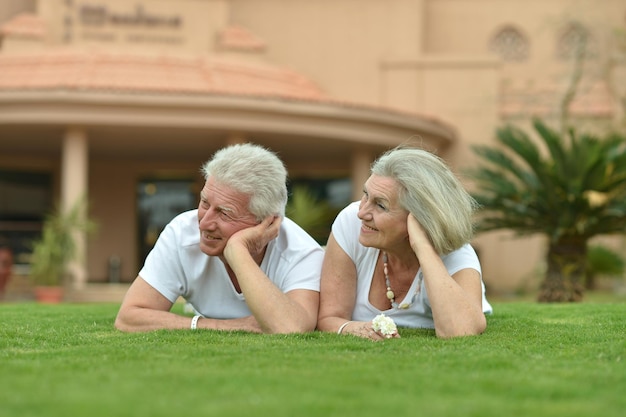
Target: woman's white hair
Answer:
[[253, 170], [432, 193]]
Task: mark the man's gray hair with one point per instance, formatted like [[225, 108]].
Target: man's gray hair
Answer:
[[253, 170]]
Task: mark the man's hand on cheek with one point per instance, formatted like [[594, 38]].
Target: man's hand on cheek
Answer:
[[256, 238]]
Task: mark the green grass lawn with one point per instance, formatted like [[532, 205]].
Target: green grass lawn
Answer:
[[533, 360]]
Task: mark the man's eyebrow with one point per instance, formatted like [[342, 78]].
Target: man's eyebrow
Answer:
[[227, 209]]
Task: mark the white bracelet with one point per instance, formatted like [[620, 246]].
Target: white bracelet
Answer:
[[343, 326], [194, 322]]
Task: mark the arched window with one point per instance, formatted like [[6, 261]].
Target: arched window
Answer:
[[571, 39], [510, 44]]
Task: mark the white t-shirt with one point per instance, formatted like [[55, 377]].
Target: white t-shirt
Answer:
[[177, 267], [419, 315]]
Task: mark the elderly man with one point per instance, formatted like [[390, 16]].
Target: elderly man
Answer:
[[237, 260]]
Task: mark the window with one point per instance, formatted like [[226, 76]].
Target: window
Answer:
[[509, 44], [571, 39], [158, 202], [25, 199]]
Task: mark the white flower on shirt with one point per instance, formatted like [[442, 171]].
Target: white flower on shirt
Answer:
[[385, 325]]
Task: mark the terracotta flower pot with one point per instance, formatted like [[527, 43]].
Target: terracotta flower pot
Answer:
[[48, 295]]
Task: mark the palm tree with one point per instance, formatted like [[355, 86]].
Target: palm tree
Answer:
[[573, 191]]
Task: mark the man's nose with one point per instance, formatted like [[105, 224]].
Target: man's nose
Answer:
[[208, 218]]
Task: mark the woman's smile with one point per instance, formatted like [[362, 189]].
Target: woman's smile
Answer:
[[365, 228]]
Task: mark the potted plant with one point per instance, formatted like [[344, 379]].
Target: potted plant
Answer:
[[602, 261], [56, 248], [310, 213]]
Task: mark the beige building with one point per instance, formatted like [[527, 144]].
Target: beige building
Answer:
[[123, 101]]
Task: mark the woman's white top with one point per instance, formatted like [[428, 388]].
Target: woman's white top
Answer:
[[346, 229]]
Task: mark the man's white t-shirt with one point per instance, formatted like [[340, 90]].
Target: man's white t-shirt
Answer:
[[177, 267], [419, 315]]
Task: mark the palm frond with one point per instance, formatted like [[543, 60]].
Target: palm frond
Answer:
[[577, 189]]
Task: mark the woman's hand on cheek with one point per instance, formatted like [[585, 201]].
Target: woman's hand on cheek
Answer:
[[417, 234]]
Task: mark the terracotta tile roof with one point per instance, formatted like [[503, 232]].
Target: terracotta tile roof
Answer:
[[98, 71], [105, 71], [238, 38], [594, 99], [24, 25]]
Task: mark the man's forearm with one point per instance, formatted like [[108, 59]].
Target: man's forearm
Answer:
[[246, 324], [275, 311]]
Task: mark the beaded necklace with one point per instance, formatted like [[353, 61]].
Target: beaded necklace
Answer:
[[390, 294]]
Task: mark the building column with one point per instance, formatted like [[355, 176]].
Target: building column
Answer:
[[74, 176], [361, 162]]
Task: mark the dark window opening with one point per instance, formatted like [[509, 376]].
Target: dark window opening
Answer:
[[158, 202], [25, 199]]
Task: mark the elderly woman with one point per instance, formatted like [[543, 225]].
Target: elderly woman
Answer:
[[403, 251]]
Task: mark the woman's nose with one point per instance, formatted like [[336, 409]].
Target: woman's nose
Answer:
[[363, 213]]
